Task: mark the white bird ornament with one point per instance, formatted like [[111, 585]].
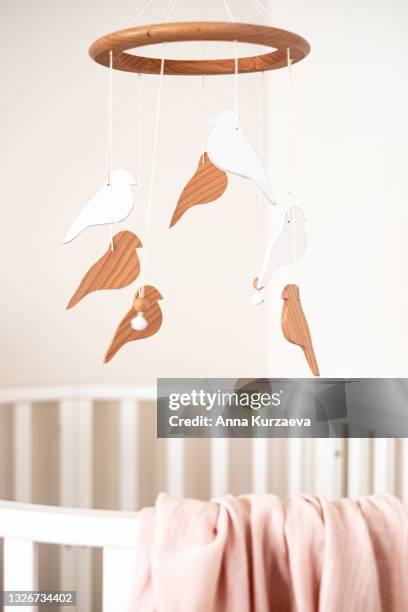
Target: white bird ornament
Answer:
[[229, 150], [111, 204], [288, 246]]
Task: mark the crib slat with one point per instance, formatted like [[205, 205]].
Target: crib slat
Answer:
[[219, 466], [359, 467], [404, 470], [22, 451], [128, 455], [118, 576], [85, 453], [20, 567], [295, 466], [76, 485], [384, 466], [6, 485], [85, 499], [260, 465], [175, 474], [328, 467], [67, 483]]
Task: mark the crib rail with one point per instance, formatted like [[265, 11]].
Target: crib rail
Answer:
[[24, 526], [331, 467], [78, 530]]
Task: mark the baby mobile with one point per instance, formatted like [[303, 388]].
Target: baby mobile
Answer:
[[228, 151]]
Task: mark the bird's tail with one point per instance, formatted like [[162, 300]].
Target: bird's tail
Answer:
[[311, 360]]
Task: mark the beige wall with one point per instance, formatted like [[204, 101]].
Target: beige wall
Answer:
[[351, 135], [53, 118]]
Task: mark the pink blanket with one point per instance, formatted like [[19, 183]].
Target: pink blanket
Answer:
[[261, 553]]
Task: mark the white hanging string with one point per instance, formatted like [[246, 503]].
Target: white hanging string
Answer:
[[289, 175], [170, 6], [152, 175], [203, 119], [203, 96], [261, 9], [261, 154], [142, 7], [241, 18], [236, 91], [235, 9], [236, 66], [137, 12], [139, 123], [109, 139], [109, 130], [202, 10], [290, 165], [228, 10]]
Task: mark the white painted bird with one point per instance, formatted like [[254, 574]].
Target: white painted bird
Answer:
[[288, 246], [112, 204], [229, 149]]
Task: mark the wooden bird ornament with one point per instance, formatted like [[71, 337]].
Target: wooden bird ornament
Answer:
[[116, 269], [295, 327], [144, 319], [207, 184]]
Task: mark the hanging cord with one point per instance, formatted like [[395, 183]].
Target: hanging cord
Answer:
[[261, 9], [137, 12], [203, 119], [261, 128], [236, 64], [240, 16], [139, 128], [109, 140], [234, 9], [236, 90], [289, 175], [290, 166], [168, 11], [139, 123], [228, 10], [109, 128], [152, 175], [203, 96], [142, 7]]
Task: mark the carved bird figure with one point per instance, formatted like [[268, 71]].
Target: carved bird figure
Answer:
[[288, 246], [116, 269], [207, 184], [229, 149], [144, 319], [111, 204], [295, 327]]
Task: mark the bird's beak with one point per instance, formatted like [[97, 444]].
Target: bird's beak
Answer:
[[285, 293]]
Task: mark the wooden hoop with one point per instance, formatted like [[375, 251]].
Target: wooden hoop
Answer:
[[123, 40]]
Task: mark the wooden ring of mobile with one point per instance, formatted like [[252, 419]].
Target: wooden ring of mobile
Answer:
[[121, 41]]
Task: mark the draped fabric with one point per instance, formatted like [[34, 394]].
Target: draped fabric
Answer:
[[263, 553]]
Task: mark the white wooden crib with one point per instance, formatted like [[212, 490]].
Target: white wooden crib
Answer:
[[24, 526], [333, 468]]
